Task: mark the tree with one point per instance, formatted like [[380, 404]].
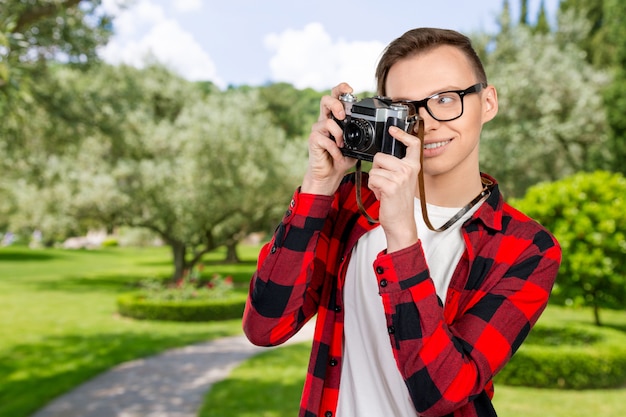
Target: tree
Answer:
[[34, 34], [587, 214], [542, 25], [551, 121], [615, 95], [292, 109], [209, 177], [149, 149], [605, 46], [598, 51]]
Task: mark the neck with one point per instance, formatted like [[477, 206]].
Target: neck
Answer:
[[452, 191]]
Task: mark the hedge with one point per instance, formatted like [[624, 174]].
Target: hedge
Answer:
[[568, 357], [134, 305]]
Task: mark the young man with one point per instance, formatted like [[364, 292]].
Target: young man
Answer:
[[409, 321]]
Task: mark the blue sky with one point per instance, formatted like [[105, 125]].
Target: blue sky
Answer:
[[306, 43]]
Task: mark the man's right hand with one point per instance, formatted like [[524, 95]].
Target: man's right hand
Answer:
[[327, 165]]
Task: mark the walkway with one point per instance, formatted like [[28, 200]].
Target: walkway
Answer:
[[172, 384]]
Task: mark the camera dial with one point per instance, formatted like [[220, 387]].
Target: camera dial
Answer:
[[347, 100]]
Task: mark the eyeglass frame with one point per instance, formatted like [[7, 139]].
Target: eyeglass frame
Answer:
[[417, 104]]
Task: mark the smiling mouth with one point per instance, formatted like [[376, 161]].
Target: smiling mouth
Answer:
[[436, 145]]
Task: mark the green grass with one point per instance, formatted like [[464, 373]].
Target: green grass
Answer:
[[270, 384], [60, 328], [267, 385], [59, 321]]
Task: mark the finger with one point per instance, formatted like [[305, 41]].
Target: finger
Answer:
[[340, 89], [318, 141], [330, 129], [404, 137], [413, 143], [331, 105]]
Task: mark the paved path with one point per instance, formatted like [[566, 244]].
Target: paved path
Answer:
[[172, 384]]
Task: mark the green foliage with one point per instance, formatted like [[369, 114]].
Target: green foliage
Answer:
[[568, 357], [587, 214], [605, 48], [34, 34], [189, 287], [598, 51], [197, 310], [109, 242], [292, 109], [615, 96], [111, 140], [551, 121]]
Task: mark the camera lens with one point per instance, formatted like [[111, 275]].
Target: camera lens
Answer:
[[357, 134]]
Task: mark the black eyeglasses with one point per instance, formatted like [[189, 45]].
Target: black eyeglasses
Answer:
[[447, 105]]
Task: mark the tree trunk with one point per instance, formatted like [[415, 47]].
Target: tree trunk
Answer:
[[231, 252], [178, 253], [596, 314]]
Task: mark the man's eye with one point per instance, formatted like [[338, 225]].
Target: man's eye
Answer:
[[444, 99]]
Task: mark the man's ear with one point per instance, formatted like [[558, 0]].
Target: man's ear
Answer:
[[490, 103]]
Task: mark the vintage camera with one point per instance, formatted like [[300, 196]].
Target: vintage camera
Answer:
[[366, 126]]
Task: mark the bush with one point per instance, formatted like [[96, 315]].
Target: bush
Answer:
[[587, 214], [568, 357], [137, 306], [110, 242]]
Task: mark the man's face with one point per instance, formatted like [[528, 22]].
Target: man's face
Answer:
[[450, 148]]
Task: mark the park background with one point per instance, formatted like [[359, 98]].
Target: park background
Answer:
[[155, 177]]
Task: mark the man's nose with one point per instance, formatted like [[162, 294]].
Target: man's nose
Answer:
[[429, 121]]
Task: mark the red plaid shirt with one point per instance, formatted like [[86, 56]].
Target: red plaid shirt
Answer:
[[446, 355]]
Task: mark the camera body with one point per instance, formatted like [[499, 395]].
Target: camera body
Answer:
[[367, 123]]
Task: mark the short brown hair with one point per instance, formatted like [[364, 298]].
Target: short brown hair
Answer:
[[421, 40]]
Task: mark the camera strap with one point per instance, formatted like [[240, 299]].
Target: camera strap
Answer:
[[487, 187]]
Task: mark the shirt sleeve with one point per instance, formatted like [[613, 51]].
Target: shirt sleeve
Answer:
[[285, 289], [448, 360]]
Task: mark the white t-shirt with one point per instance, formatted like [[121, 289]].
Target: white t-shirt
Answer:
[[371, 384]]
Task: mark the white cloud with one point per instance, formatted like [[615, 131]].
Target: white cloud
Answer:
[[311, 58], [187, 5], [143, 34]]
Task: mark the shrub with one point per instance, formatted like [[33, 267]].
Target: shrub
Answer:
[[190, 298], [568, 357], [110, 242], [137, 306], [587, 214]]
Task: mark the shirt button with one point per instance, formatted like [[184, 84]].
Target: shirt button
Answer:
[[273, 250], [328, 414], [333, 362], [379, 270], [391, 330], [383, 283], [292, 204], [337, 309], [288, 213]]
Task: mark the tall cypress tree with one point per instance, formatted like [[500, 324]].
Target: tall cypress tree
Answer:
[[615, 96]]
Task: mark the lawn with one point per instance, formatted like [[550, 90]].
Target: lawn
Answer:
[[59, 321], [270, 384], [60, 328]]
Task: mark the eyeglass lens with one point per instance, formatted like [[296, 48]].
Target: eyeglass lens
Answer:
[[445, 106]]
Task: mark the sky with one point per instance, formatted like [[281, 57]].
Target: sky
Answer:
[[315, 44]]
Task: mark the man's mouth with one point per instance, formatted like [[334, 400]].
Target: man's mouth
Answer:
[[435, 145]]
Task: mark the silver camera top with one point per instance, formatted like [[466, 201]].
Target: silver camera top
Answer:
[[379, 109], [348, 100]]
